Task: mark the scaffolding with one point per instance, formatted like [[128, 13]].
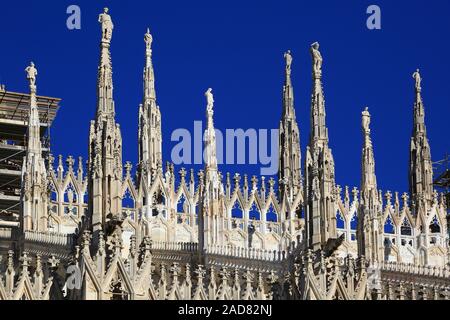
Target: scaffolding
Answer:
[[442, 182], [14, 113]]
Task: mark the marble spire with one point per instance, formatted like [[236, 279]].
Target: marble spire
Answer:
[[289, 170], [420, 165], [369, 179], [150, 135], [105, 102], [320, 185], [34, 173], [319, 131]]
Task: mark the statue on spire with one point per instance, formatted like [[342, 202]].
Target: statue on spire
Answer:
[[288, 58], [418, 78], [366, 121], [210, 101], [148, 39], [317, 58], [31, 74], [107, 25]]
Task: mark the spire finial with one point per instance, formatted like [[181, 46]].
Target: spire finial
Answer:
[[107, 25], [148, 39], [288, 59], [34, 114], [210, 136], [210, 102], [366, 121], [149, 77], [416, 75], [317, 60], [31, 75]]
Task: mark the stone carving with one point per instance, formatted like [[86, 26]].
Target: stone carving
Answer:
[[107, 25], [317, 58], [31, 74], [210, 101], [366, 120], [148, 39], [418, 78], [288, 58]]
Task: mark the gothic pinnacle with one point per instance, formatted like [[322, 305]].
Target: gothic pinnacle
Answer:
[[368, 182], [149, 77], [319, 131], [105, 84], [421, 169]]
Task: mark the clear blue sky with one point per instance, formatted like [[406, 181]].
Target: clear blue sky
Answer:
[[237, 48]]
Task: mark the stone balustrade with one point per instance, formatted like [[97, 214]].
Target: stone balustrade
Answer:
[[246, 253], [175, 246], [50, 238], [431, 271]]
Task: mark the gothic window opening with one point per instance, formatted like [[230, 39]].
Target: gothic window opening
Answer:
[[434, 225], [118, 292], [70, 194], [54, 209], [182, 205], [236, 211], [254, 214], [389, 225], [158, 198], [71, 210], [354, 222], [405, 229], [127, 200], [300, 212], [271, 215], [53, 193], [340, 222]]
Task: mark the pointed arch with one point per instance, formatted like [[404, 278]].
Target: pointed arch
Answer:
[[354, 221], [435, 225], [70, 193], [182, 203], [389, 226], [340, 220], [254, 211], [236, 210], [54, 196], [128, 200], [405, 227], [271, 214]]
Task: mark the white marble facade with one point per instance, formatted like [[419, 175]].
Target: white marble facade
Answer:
[[259, 227]]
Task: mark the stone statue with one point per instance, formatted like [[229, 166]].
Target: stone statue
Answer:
[[148, 39], [31, 74], [210, 100], [366, 120], [107, 25], [418, 78], [317, 58], [288, 58]]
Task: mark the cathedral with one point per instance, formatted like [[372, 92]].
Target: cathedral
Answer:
[[99, 230]]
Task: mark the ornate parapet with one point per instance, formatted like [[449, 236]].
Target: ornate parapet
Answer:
[[246, 253], [416, 270], [175, 246], [48, 244], [400, 281]]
